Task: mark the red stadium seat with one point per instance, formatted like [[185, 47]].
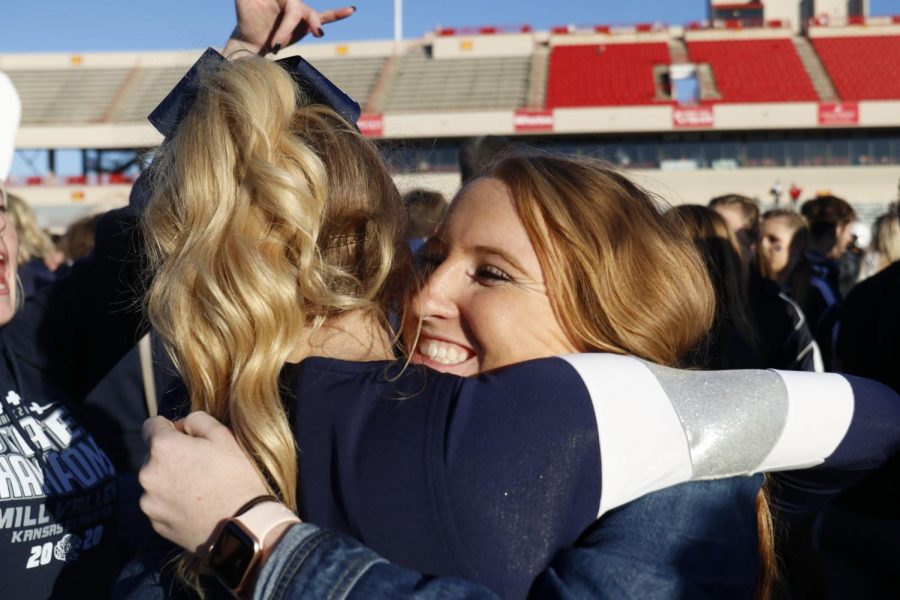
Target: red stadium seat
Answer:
[[604, 75], [120, 178], [862, 68], [755, 70]]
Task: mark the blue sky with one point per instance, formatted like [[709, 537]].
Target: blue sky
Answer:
[[84, 25]]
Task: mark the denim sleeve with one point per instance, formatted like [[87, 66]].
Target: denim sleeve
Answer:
[[316, 563], [695, 540]]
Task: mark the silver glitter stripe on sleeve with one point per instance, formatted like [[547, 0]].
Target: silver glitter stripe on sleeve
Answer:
[[732, 419]]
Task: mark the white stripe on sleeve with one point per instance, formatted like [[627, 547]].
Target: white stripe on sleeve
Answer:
[[643, 447], [820, 408]]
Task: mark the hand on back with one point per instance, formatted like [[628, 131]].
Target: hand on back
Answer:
[[195, 477]]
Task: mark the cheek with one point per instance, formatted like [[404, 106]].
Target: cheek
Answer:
[[519, 332]]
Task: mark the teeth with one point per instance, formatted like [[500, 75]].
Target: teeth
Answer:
[[446, 355]]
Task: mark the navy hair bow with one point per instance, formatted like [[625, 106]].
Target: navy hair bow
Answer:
[[317, 87]]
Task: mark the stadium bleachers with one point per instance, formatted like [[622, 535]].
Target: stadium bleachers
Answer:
[[862, 67], [67, 96], [145, 91], [602, 75], [356, 76], [766, 70], [423, 84]]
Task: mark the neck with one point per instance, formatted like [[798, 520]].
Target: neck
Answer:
[[354, 335]]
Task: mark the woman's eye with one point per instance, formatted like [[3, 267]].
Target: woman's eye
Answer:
[[491, 274]]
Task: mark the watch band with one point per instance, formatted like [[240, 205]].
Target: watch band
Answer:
[[253, 502], [240, 547], [261, 519]]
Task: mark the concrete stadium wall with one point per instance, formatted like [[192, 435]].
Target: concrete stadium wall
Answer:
[[612, 119], [480, 46], [615, 37], [859, 185], [733, 35], [864, 185], [867, 186], [618, 119], [853, 31]]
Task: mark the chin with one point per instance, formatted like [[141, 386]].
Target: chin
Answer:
[[7, 312]]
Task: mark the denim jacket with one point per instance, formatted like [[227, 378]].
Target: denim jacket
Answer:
[[696, 540]]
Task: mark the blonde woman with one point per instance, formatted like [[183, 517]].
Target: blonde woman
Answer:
[[885, 246], [38, 257]]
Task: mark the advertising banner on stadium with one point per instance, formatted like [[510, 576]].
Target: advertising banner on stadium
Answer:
[[533, 120], [692, 116], [840, 113], [371, 125]]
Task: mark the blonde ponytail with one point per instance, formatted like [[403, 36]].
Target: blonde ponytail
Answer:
[[252, 243]]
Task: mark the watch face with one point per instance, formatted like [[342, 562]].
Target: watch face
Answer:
[[232, 554]]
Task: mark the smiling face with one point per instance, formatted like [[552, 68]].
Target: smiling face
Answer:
[[485, 303], [9, 244]]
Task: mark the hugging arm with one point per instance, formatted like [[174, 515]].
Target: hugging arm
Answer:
[[695, 540]]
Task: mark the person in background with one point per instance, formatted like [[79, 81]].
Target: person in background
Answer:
[[116, 408], [779, 253], [59, 486], [794, 192], [858, 534], [776, 192], [38, 257], [733, 342], [786, 340], [818, 288], [885, 246], [783, 236], [741, 214], [424, 211], [78, 240]]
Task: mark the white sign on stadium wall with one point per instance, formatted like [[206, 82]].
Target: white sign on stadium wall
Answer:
[[692, 116], [533, 120], [841, 113], [371, 125]]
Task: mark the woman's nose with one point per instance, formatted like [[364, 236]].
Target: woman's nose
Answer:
[[438, 298]]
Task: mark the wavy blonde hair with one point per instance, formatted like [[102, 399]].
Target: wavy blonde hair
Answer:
[[268, 215], [33, 242], [886, 240], [620, 278]]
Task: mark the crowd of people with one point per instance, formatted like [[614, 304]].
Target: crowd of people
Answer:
[[554, 385]]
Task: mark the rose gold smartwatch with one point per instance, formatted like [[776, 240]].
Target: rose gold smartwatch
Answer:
[[239, 547]]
